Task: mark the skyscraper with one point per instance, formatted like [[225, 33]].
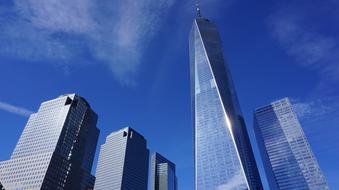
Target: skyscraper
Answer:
[[163, 173], [56, 148], [288, 159], [123, 162], [222, 150]]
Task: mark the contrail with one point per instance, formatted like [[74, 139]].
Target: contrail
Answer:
[[15, 110]]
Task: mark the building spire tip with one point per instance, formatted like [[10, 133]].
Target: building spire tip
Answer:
[[197, 5]]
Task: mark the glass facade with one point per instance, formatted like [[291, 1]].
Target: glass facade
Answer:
[[223, 153], [163, 173], [287, 156], [123, 162], [56, 148]]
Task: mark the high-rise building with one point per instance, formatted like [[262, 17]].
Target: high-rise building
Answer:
[[222, 150], [123, 162], [163, 173], [56, 148], [287, 156]]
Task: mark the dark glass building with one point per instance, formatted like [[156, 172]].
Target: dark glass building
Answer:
[[222, 150], [1, 187], [163, 173], [56, 148], [123, 162], [289, 162]]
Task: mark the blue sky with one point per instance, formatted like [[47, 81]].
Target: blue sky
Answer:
[[129, 59]]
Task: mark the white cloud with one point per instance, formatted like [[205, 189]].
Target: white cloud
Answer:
[[303, 109], [298, 30], [14, 109], [316, 109], [115, 33], [301, 38], [57, 15], [124, 41]]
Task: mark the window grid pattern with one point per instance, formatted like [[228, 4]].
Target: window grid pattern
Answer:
[[289, 161], [223, 154], [163, 173], [54, 144], [123, 162]]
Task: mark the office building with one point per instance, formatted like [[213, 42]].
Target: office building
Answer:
[[163, 173], [287, 156], [56, 148], [123, 162], [223, 154]]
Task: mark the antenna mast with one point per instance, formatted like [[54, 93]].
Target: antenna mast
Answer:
[[197, 5]]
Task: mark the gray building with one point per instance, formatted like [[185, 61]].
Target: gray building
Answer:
[[222, 151], [56, 148], [123, 162], [287, 156], [163, 173]]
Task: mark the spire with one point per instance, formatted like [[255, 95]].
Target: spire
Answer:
[[197, 4]]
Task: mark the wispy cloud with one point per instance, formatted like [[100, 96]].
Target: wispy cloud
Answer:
[[124, 41], [297, 30], [319, 118], [15, 109], [302, 31], [115, 33], [303, 109], [317, 109]]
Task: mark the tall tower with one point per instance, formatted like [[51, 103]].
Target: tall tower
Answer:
[[123, 162], [56, 148], [288, 159], [163, 173], [222, 150]]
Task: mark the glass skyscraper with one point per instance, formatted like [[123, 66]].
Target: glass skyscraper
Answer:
[[222, 150], [123, 162], [56, 148], [288, 159], [163, 173]]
